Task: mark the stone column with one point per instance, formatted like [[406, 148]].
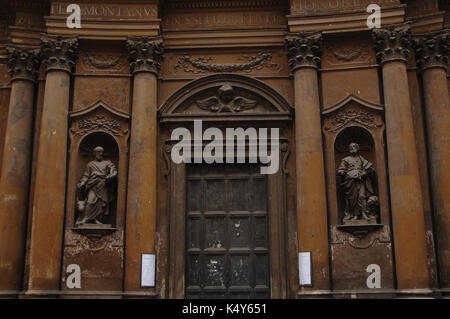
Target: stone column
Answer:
[[303, 51], [145, 62], [432, 56], [407, 210], [23, 66], [49, 198]]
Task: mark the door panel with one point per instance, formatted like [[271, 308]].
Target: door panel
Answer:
[[227, 232]]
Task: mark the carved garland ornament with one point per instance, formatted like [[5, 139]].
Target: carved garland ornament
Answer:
[[349, 54], [104, 61], [341, 119], [200, 64], [100, 122]]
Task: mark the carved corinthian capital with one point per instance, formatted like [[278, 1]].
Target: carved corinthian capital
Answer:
[[59, 53], [23, 63], [432, 50], [392, 43], [304, 50], [146, 54]]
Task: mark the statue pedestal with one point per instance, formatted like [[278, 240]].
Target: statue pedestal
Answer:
[[359, 228], [94, 231]]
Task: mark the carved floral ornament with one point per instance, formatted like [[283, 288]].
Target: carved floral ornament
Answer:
[[146, 54], [392, 43], [98, 122], [304, 50], [201, 64], [358, 116], [432, 50], [360, 113], [59, 53]]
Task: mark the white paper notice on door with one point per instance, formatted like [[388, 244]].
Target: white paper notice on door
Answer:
[[148, 270], [304, 268]]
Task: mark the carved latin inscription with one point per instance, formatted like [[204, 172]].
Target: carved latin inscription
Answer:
[[104, 10], [223, 19], [316, 6]]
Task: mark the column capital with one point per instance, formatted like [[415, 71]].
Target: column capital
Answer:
[[59, 53], [23, 63], [432, 49], [146, 54], [304, 50], [392, 42]]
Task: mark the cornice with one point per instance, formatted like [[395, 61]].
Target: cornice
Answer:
[[215, 4]]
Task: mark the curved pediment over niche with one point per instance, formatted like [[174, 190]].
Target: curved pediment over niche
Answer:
[[352, 111], [100, 105], [99, 117], [225, 97]]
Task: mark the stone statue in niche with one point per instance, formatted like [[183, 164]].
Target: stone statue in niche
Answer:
[[361, 203], [95, 190]]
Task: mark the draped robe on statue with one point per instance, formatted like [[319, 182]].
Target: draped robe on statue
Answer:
[[98, 197], [356, 171]]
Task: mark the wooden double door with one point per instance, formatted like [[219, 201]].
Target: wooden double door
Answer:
[[227, 237]]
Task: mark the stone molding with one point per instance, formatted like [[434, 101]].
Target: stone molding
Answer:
[[190, 4], [59, 53], [146, 54], [432, 49], [23, 63], [304, 50], [392, 43]]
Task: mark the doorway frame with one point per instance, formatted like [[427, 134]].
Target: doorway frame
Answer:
[[281, 116]]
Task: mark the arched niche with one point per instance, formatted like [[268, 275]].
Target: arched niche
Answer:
[[97, 125], [86, 155], [361, 136], [354, 120]]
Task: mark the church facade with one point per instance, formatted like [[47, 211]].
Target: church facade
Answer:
[[224, 149]]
